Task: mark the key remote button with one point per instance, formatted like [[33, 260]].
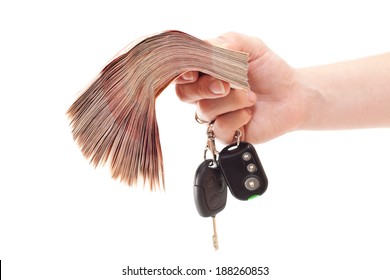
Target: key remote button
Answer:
[[252, 183], [251, 168], [246, 156], [214, 201], [222, 185], [211, 181]]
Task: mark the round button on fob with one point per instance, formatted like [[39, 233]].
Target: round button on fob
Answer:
[[246, 156], [251, 167], [252, 183]]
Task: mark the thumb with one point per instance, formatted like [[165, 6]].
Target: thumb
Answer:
[[219, 42], [241, 42]]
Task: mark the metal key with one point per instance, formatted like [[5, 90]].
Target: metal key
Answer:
[[215, 236]]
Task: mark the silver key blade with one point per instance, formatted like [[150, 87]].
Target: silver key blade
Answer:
[[215, 236]]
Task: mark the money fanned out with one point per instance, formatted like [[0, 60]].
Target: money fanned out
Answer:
[[114, 119]]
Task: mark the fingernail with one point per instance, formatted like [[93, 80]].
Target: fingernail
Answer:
[[217, 87], [188, 76]]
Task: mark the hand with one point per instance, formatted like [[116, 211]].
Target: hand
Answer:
[[273, 106]]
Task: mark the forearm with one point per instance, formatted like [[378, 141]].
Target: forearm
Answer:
[[352, 94]]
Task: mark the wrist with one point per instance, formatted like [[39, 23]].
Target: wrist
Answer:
[[312, 99]]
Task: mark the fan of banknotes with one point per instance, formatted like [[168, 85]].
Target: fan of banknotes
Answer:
[[114, 119]]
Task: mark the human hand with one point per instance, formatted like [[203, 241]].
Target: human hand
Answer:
[[273, 106]]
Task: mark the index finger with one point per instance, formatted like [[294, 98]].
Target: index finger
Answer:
[[206, 87], [187, 77]]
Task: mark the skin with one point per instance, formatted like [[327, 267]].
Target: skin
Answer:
[[282, 99]]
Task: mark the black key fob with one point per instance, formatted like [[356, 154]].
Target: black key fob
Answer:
[[243, 171], [210, 190]]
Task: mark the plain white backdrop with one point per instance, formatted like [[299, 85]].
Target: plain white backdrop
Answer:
[[325, 214]]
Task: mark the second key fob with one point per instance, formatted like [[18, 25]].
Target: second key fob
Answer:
[[243, 171], [210, 190]]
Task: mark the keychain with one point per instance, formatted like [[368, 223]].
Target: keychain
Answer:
[[237, 166], [210, 190]]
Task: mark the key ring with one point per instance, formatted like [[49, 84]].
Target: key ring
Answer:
[[199, 120], [210, 146], [237, 136]]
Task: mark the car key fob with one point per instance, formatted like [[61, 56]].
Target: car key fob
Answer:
[[242, 170], [210, 189]]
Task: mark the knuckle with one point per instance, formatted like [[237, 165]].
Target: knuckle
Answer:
[[224, 125], [203, 87], [185, 93], [245, 115], [180, 93], [204, 109]]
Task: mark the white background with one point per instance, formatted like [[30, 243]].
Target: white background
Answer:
[[325, 214]]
